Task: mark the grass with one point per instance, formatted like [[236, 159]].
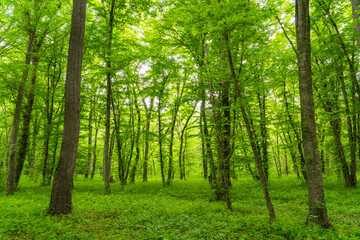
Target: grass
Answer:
[[180, 211]]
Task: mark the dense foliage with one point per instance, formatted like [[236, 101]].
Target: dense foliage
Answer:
[[182, 89]]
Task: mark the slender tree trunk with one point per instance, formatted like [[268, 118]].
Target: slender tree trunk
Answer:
[[350, 180], [11, 172], [251, 138], [93, 165], [278, 154], [173, 123], [52, 167], [285, 157], [160, 143], [90, 127], [181, 166], [264, 136], [317, 205], [32, 158], [146, 154], [137, 143], [297, 135], [108, 102], [61, 193], [26, 124], [203, 149]]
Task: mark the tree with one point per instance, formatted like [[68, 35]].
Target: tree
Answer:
[[316, 197], [11, 172], [61, 193]]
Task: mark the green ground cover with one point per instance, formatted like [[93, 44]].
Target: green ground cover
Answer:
[[181, 211]]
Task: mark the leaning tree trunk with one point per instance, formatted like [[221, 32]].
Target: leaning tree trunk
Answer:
[[61, 192], [254, 148], [11, 172], [316, 197], [181, 166], [26, 125]]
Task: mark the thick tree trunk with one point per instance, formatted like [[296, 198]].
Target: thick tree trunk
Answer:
[[317, 205], [213, 167], [61, 193], [224, 144]]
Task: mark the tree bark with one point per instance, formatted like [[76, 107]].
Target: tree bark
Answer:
[[61, 192], [137, 143], [173, 123], [316, 197], [251, 137], [147, 131], [181, 166], [90, 128], [11, 172], [26, 124], [108, 101], [160, 143]]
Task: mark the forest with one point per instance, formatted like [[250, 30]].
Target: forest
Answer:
[[179, 119]]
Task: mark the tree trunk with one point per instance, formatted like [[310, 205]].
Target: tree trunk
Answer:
[[146, 154], [107, 164], [61, 192], [137, 147], [11, 172], [317, 205], [297, 135], [32, 159], [251, 137], [160, 143], [264, 136], [173, 123], [181, 166], [26, 124], [93, 166], [90, 128], [203, 149]]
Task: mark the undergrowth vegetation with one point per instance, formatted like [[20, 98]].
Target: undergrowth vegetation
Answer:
[[183, 210]]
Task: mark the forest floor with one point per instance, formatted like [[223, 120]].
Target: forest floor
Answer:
[[183, 210]]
